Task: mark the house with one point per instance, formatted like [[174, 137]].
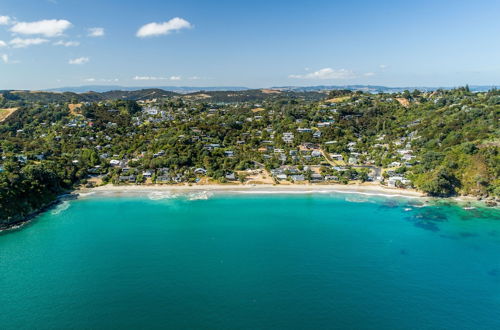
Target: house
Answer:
[[394, 164], [200, 171], [22, 158], [317, 134], [304, 130], [393, 180], [114, 162], [316, 177], [324, 124], [336, 157], [127, 178], [407, 157], [163, 178], [288, 137], [147, 174], [277, 171], [151, 110], [331, 178], [297, 177], [316, 153], [352, 160], [281, 176], [231, 176], [212, 146]]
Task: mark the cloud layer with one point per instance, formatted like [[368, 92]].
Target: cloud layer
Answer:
[[157, 29], [173, 78], [326, 73]]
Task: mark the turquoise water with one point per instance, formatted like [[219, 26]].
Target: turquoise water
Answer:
[[252, 262]]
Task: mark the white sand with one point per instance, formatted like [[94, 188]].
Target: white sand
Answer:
[[367, 189]]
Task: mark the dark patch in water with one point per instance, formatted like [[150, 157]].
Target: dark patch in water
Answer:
[[415, 204], [427, 225], [389, 205], [432, 215], [493, 233], [479, 213], [403, 252], [467, 234], [495, 272], [428, 219]]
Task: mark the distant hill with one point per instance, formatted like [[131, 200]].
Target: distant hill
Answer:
[[176, 89], [250, 95], [44, 96], [214, 96], [380, 89]]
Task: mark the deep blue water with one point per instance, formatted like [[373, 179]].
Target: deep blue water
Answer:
[[252, 262]]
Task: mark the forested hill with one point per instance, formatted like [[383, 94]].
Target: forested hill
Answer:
[[49, 97], [254, 95]]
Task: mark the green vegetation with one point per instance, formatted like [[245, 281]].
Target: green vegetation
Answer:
[[443, 142]]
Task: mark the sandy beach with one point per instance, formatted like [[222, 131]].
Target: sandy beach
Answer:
[[366, 189]]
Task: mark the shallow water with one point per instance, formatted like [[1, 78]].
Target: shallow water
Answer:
[[247, 261]]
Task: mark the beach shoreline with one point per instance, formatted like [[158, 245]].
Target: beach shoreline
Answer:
[[254, 188]]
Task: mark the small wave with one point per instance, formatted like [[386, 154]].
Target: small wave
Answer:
[[83, 195], [159, 195], [61, 208], [204, 195], [407, 209], [279, 192], [356, 199]]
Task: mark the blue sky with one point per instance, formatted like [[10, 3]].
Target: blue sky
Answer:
[[54, 43]]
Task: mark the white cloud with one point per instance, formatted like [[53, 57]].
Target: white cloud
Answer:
[[79, 60], [3, 43], [383, 66], [46, 27], [66, 43], [101, 80], [173, 78], [22, 43], [4, 20], [326, 73], [5, 58], [146, 78], [96, 32], [369, 74], [156, 29]]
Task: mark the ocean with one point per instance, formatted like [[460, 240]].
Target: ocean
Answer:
[[252, 261]]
